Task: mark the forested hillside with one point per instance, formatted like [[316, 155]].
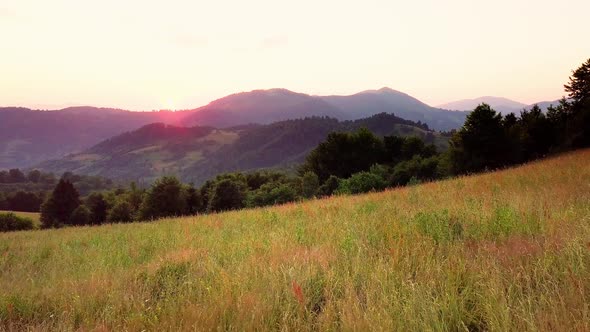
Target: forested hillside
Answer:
[[199, 153]]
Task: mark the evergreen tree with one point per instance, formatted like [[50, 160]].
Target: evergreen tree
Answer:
[[98, 207], [193, 200], [578, 88], [481, 142], [64, 199]]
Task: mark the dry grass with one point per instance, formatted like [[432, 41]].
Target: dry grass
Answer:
[[502, 251]]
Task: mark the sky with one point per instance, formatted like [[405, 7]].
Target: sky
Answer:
[[174, 54]]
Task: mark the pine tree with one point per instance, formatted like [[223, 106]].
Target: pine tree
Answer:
[[64, 199]]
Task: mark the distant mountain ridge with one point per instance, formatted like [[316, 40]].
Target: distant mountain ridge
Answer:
[[260, 106], [267, 106], [500, 104], [28, 137], [198, 153], [387, 100]]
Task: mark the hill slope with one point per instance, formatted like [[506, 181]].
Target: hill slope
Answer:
[[501, 251], [199, 153], [28, 137]]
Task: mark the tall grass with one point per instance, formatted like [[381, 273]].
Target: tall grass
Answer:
[[502, 251]]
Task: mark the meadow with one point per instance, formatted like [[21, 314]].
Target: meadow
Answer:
[[501, 251], [35, 216]]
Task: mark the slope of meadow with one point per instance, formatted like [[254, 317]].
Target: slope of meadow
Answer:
[[502, 251]]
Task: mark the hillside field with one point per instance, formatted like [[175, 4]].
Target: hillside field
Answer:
[[501, 251], [35, 216]]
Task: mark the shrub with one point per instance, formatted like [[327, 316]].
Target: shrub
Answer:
[[121, 212], [361, 182], [330, 186], [310, 184], [11, 222], [81, 216], [418, 168], [270, 194]]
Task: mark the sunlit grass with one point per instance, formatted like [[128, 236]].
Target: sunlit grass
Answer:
[[502, 251]]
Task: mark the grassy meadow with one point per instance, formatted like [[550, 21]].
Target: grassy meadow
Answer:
[[501, 251]]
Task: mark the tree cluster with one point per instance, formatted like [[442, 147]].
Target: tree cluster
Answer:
[[489, 140], [15, 175], [361, 161], [24, 201]]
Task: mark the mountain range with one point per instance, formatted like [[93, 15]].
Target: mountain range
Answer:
[[196, 154], [502, 105], [267, 106], [28, 137]]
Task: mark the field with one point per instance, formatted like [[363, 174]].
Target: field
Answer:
[[35, 216], [502, 251]]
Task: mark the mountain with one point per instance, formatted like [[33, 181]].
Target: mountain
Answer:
[[387, 100], [260, 106], [267, 106], [199, 153], [544, 105], [502, 105], [28, 137]]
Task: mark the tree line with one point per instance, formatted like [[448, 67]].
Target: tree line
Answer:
[[15, 175], [25, 192]]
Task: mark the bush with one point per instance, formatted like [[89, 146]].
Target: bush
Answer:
[[11, 222], [121, 212], [81, 216], [418, 168], [330, 186], [310, 184], [270, 194], [361, 182]]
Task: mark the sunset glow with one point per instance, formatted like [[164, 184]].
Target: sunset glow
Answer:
[[144, 55]]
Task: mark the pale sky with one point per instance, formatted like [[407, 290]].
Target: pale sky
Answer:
[[144, 55]]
